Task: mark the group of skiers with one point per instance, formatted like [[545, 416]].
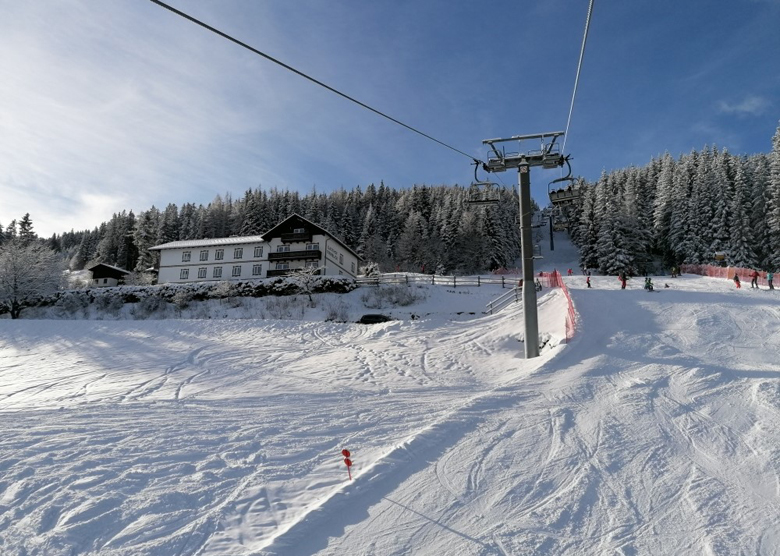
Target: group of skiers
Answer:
[[754, 280], [623, 277]]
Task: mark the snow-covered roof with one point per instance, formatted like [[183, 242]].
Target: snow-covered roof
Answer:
[[122, 270], [238, 240]]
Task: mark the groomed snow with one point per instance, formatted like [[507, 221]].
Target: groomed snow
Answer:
[[653, 432]]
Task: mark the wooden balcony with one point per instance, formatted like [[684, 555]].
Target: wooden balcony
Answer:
[[303, 255], [290, 238]]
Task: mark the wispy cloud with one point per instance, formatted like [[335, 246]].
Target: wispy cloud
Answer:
[[751, 105]]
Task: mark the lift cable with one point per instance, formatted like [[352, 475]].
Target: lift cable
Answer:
[[577, 79], [305, 76]]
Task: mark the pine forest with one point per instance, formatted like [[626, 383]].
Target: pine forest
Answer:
[[672, 211]]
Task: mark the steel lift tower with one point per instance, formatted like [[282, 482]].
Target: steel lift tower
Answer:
[[547, 156]]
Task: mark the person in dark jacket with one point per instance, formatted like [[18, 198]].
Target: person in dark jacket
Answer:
[[736, 281], [623, 278]]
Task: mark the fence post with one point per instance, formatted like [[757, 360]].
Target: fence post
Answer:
[[502, 281], [454, 281], [433, 279], [478, 281], [407, 279]]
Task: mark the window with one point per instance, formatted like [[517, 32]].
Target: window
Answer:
[[186, 256], [312, 264], [236, 271], [217, 272], [353, 268], [299, 231], [282, 248], [184, 274], [282, 266], [257, 270], [105, 280], [219, 254], [341, 258], [341, 273], [238, 253], [201, 273], [204, 255], [312, 246], [258, 251]]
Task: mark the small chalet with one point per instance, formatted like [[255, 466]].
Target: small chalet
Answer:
[[106, 276], [295, 243]]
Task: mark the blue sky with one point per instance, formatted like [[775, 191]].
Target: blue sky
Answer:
[[120, 104]]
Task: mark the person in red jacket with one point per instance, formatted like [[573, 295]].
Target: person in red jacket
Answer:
[[754, 279], [736, 281]]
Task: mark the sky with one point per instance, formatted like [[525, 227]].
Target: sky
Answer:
[[118, 105]]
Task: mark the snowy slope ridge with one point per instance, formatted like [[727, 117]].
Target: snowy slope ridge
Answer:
[[652, 432]]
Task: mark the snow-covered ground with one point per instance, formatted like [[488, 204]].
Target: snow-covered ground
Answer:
[[652, 432]]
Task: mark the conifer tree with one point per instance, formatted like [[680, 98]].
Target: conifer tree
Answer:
[[773, 205]]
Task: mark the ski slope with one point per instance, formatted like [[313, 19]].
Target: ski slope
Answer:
[[652, 432]]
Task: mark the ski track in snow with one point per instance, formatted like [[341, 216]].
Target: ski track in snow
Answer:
[[653, 432]]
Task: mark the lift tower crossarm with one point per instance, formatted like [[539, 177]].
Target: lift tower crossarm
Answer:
[[549, 156], [553, 134]]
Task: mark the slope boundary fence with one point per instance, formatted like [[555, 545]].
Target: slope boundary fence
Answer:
[[727, 272]]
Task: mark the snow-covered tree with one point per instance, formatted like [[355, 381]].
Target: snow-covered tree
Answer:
[[29, 271], [740, 246], [773, 205], [26, 233]]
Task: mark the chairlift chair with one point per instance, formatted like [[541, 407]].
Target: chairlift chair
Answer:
[[483, 192], [565, 194]]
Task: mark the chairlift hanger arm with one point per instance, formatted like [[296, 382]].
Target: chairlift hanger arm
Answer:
[[567, 177]]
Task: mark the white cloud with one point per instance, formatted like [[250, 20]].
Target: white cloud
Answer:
[[751, 105]]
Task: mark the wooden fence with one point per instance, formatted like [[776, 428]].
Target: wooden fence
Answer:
[[547, 279]]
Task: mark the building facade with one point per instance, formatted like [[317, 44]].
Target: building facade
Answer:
[[107, 276], [293, 244]]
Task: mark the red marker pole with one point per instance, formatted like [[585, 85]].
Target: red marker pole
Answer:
[[347, 461]]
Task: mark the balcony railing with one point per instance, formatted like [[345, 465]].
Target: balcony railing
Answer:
[[286, 271], [304, 255], [289, 238]]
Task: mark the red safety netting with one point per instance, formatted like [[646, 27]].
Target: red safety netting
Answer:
[[727, 272], [555, 280]]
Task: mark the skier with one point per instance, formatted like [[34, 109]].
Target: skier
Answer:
[[569, 272], [587, 280], [754, 279], [769, 277], [736, 281], [622, 277], [648, 284]]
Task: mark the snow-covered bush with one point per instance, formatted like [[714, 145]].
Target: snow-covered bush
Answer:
[[336, 311], [111, 304], [370, 269], [70, 304], [148, 306], [182, 299], [111, 300], [390, 296], [285, 307]]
